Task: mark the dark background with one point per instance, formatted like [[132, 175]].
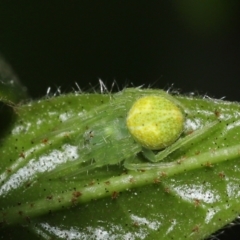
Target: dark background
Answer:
[[192, 45]]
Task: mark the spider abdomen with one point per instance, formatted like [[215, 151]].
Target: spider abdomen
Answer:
[[155, 122]]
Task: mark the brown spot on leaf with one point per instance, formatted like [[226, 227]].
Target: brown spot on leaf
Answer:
[[22, 155], [115, 195]]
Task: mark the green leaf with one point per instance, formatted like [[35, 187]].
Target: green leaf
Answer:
[[11, 93], [189, 195], [11, 90]]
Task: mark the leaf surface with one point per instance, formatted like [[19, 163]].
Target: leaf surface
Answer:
[[181, 200]]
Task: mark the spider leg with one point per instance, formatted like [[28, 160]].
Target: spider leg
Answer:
[[185, 141]]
